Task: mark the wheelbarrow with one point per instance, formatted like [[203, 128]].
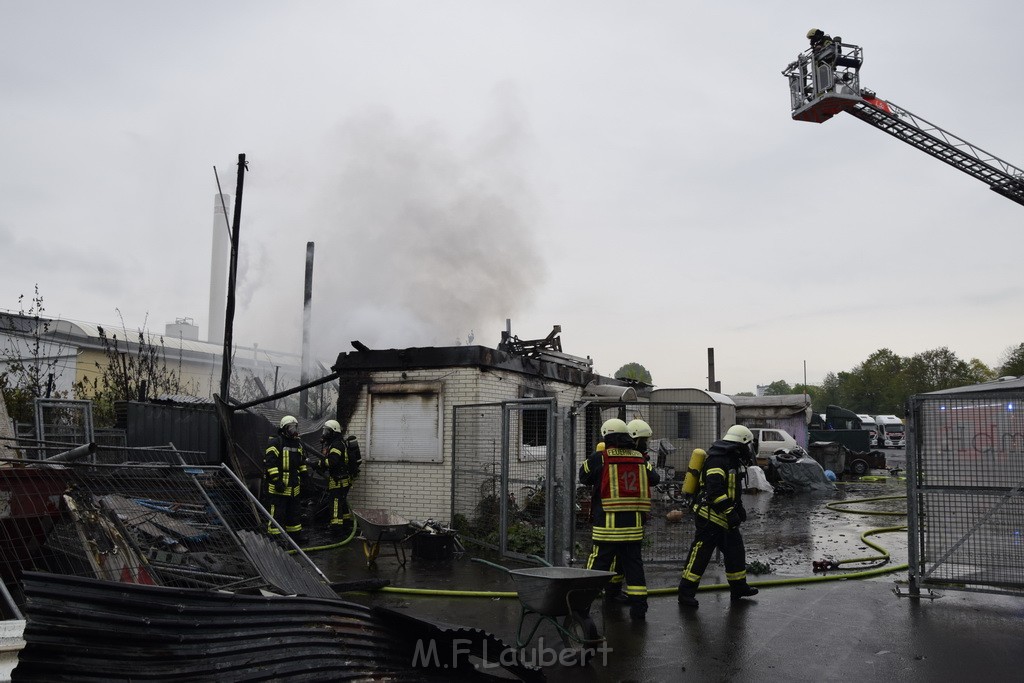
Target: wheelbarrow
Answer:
[[377, 526], [560, 596]]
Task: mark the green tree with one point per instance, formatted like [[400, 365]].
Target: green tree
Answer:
[[1012, 361], [779, 387], [830, 392], [809, 389], [937, 369], [876, 385], [981, 371], [634, 372]]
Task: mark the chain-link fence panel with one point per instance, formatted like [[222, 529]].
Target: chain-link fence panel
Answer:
[[965, 471], [677, 429], [168, 525], [501, 476], [477, 486]]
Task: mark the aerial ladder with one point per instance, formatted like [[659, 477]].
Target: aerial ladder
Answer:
[[825, 81]]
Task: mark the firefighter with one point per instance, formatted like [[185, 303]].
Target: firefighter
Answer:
[[717, 513], [819, 39], [621, 502], [284, 468], [822, 45], [339, 461], [640, 432]]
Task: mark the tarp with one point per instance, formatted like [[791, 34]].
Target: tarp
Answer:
[[805, 473], [757, 481]]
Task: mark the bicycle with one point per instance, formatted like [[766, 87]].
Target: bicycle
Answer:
[[668, 488]]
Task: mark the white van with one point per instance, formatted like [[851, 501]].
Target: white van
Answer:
[[891, 432], [867, 422]]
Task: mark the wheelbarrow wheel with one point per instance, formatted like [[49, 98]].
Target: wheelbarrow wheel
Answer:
[[579, 630]]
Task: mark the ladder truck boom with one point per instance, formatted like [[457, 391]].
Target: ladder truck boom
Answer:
[[826, 81]]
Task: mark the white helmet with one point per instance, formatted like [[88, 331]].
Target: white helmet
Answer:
[[287, 420], [638, 429], [333, 426], [739, 434], [613, 426]]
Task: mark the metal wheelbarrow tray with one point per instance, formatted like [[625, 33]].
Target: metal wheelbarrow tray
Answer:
[[376, 526], [567, 592]]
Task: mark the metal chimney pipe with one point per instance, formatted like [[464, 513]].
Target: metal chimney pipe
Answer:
[[218, 268], [307, 316], [712, 384]]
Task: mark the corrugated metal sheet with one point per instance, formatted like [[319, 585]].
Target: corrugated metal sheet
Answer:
[[189, 428], [89, 630], [281, 570]]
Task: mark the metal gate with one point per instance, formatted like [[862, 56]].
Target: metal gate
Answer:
[[504, 476], [965, 485], [677, 429]]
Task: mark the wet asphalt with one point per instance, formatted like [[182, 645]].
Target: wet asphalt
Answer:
[[803, 626]]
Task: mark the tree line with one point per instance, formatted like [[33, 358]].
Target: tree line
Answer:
[[883, 382]]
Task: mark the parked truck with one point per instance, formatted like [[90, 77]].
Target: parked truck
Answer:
[[868, 424], [845, 428], [891, 432]]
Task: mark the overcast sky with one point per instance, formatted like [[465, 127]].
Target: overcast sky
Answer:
[[627, 170]]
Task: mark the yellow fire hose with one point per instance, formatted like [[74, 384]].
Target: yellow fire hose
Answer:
[[838, 506]]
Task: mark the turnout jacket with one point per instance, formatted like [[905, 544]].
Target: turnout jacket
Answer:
[[340, 461], [721, 488], [284, 466], [621, 479]]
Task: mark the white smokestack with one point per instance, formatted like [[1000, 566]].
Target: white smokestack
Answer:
[[219, 267]]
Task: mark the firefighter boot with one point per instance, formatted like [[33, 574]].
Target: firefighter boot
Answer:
[[687, 594], [739, 590], [637, 608]]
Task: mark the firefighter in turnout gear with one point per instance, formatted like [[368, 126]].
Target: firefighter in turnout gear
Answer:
[[717, 513], [621, 479], [339, 461], [284, 468]]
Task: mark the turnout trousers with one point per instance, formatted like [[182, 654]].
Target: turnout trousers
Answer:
[[709, 537], [623, 558], [286, 511], [341, 514]]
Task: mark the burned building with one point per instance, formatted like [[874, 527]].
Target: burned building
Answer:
[[402, 406]]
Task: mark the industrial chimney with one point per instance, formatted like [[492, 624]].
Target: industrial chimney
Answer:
[[219, 267]]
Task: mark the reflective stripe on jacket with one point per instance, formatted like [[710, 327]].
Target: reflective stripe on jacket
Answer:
[[624, 484], [284, 465], [720, 489]]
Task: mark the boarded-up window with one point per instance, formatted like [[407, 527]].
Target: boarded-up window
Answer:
[[405, 422]]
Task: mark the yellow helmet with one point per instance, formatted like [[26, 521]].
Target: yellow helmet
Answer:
[[613, 426], [638, 429], [813, 32]]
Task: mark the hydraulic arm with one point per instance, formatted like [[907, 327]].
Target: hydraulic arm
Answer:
[[825, 82]]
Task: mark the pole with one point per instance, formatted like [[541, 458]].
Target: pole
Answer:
[[229, 312], [307, 315]]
